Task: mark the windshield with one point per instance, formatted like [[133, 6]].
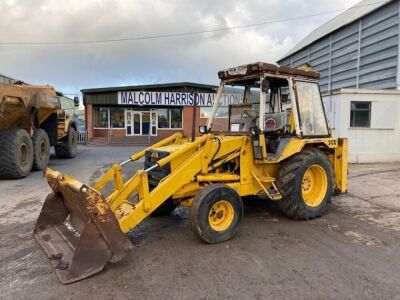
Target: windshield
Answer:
[[244, 115], [311, 111]]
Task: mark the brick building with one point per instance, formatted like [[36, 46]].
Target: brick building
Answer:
[[144, 114]]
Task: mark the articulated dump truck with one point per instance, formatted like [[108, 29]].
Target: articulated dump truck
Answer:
[[278, 146], [31, 121]]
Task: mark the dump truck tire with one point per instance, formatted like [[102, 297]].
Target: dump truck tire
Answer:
[[66, 148], [215, 213], [305, 182], [41, 149], [164, 209], [16, 153]]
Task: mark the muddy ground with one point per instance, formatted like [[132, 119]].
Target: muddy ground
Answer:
[[351, 253]]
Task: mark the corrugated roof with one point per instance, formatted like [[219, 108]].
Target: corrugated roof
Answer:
[[352, 14], [150, 87]]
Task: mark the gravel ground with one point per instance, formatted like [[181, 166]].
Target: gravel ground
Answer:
[[350, 253]]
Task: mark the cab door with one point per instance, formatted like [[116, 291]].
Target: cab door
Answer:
[[310, 110]]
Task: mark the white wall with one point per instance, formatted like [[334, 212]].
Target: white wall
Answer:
[[381, 142]]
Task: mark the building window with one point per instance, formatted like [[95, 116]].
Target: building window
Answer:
[[169, 118], [100, 117], [163, 118], [117, 117], [176, 118], [360, 114]]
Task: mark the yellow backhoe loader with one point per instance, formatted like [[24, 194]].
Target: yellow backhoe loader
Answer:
[[278, 146]]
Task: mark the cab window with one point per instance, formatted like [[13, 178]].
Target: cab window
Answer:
[[312, 116]]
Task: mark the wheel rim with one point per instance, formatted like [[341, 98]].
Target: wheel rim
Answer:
[[314, 185], [221, 215], [24, 154]]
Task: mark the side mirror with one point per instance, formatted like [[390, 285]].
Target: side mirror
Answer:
[[76, 101], [203, 129]]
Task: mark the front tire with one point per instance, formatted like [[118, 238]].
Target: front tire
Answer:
[[16, 153], [305, 182], [41, 149], [66, 148], [215, 213]]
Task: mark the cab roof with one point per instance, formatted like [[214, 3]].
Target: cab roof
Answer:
[[261, 67]]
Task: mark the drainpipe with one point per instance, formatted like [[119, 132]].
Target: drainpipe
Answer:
[[194, 116]]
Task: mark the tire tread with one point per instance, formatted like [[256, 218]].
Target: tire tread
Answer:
[[8, 167], [288, 180]]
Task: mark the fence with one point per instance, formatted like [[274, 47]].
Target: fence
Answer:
[[82, 137]]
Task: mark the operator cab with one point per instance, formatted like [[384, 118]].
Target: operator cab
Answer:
[[277, 104]]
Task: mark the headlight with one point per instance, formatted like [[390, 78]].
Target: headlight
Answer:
[[203, 129]]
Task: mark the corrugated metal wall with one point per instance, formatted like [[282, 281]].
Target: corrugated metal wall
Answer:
[[363, 54]]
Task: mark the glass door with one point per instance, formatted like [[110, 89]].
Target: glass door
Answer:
[[128, 122], [133, 122], [145, 122], [153, 130], [137, 122]]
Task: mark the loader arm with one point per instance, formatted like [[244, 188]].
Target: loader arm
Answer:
[[131, 213], [78, 222]]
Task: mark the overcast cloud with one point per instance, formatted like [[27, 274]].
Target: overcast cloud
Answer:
[[194, 58]]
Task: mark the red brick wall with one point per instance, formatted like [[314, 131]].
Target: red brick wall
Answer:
[[164, 133], [104, 132], [218, 125]]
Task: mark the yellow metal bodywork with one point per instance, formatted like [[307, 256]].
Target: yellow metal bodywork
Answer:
[[199, 163], [28, 106]]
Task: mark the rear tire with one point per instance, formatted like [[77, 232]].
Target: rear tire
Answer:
[[41, 149], [66, 148], [305, 182], [16, 153], [215, 213]]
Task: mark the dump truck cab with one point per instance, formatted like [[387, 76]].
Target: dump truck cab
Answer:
[[277, 146]]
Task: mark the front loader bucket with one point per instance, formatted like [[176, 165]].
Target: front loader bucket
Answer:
[[77, 229]]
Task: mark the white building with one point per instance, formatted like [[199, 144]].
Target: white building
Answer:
[[371, 121]]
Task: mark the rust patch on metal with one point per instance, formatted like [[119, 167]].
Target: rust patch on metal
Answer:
[[77, 229]]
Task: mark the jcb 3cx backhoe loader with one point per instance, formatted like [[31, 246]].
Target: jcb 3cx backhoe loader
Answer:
[[278, 145]]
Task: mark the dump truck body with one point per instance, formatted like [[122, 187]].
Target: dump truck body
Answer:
[[285, 155], [32, 112], [19, 101]]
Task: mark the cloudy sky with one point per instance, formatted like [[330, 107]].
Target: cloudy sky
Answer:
[[186, 58]]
